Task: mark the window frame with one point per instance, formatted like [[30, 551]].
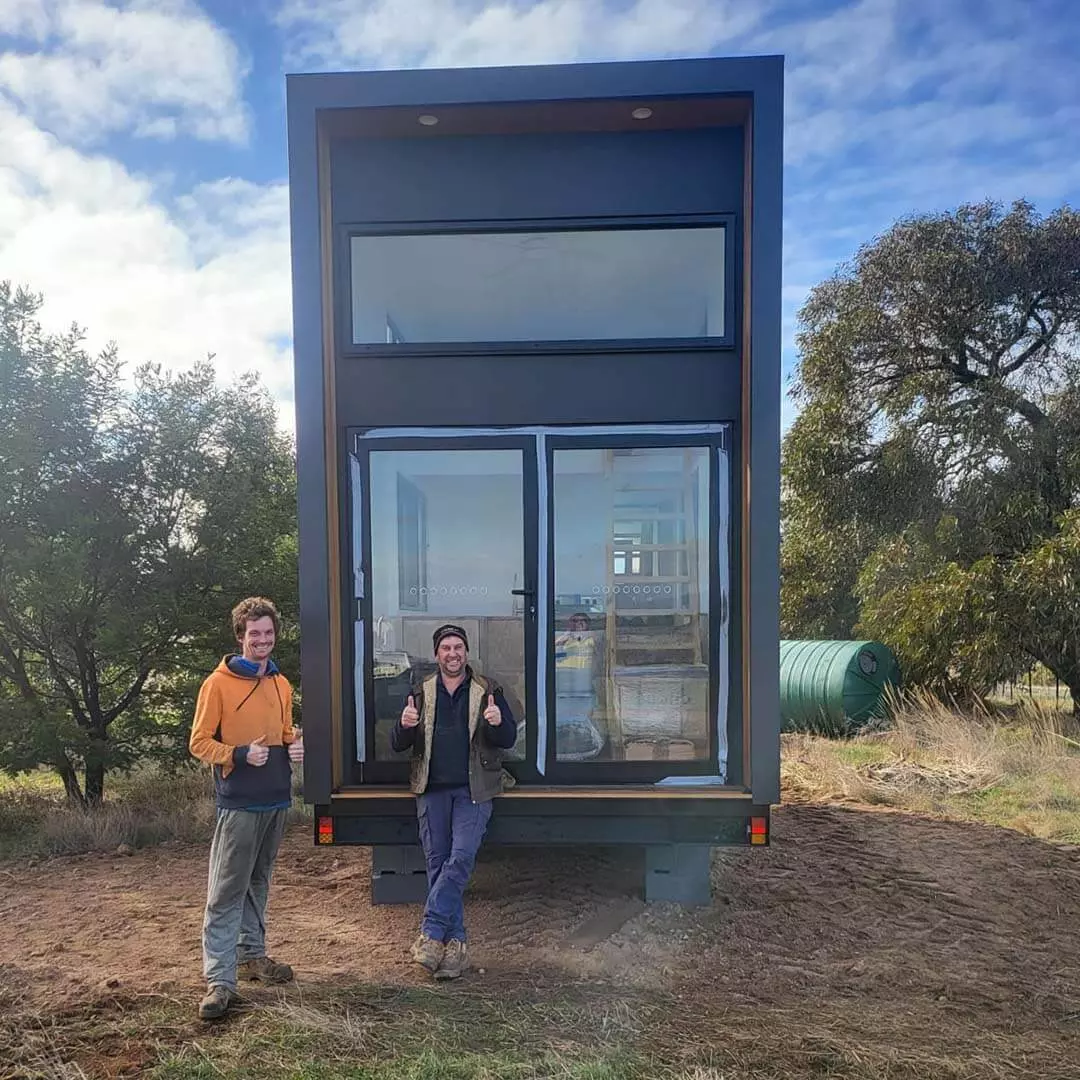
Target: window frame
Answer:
[[540, 766], [362, 764], [614, 772], [346, 347]]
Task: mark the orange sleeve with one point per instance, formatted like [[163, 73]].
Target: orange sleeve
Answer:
[[288, 732], [204, 742]]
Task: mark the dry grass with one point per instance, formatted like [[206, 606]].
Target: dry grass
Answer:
[[142, 808], [1019, 769]]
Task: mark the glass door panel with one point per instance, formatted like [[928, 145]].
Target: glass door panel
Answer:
[[631, 642], [447, 545]]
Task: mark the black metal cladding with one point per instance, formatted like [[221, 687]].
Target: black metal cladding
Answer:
[[538, 176], [595, 179]]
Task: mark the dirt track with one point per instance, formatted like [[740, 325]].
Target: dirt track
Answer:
[[914, 940]]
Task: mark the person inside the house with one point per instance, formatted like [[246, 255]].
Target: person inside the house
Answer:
[[457, 725], [243, 728], [576, 645]]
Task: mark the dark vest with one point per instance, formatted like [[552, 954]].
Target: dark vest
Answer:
[[485, 762]]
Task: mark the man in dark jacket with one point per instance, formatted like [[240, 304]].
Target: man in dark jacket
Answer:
[[457, 723]]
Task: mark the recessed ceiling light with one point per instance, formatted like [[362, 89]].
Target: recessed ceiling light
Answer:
[[427, 120], [642, 114]]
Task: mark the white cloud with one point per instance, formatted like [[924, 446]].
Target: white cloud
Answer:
[[154, 68], [24, 18], [210, 277], [465, 33], [905, 77]]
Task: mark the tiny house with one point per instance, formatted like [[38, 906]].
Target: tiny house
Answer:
[[537, 372]]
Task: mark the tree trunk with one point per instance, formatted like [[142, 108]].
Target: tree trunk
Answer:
[[1064, 665], [95, 766], [67, 773], [95, 782]]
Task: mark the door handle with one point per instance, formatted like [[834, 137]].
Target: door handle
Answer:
[[531, 602]]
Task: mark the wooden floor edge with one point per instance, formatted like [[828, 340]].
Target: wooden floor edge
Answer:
[[569, 793]]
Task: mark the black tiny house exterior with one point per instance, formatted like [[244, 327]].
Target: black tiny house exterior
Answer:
[[537, 350]]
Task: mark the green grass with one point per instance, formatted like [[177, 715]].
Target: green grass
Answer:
[[38, 782], [372, 1034], [427, 1065], [862, 753], [557, 1031], [1045, 807]]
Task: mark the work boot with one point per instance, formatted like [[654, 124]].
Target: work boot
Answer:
[[455, 960], [428, 952], [264, 970], [216, 1002]]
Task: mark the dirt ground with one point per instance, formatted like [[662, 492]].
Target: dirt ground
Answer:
[[919, 943]]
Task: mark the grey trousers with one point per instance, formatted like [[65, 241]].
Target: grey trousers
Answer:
[[242, 856]]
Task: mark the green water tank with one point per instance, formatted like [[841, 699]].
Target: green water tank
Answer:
[[836, 683]]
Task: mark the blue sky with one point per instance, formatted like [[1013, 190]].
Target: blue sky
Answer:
[[143, 182]]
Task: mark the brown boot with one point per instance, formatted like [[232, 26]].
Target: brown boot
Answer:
[[264, 970], [428, 952], [455, 960], [216, 1002]]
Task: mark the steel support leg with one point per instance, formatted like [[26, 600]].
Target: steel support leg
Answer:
[[398, 874], [677, 874]]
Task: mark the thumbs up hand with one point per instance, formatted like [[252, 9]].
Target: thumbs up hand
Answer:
[[296, 749], [258, 751], [410, 717], [493, 714]]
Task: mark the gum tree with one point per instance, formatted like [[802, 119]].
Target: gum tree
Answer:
[[932, 479], [132, 514]]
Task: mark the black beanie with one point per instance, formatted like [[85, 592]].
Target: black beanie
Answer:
[[448, 630]]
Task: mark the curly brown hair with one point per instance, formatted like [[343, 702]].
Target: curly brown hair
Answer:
[[254, 607]]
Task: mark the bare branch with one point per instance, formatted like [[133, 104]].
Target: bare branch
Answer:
[[58, 675], [1038, 344], [136, 688]]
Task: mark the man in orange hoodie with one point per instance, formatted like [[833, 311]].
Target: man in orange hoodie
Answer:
[[243, 728]]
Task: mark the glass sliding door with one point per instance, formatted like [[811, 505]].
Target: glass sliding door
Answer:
[[632, 549], [447, 545], [595, 566]]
